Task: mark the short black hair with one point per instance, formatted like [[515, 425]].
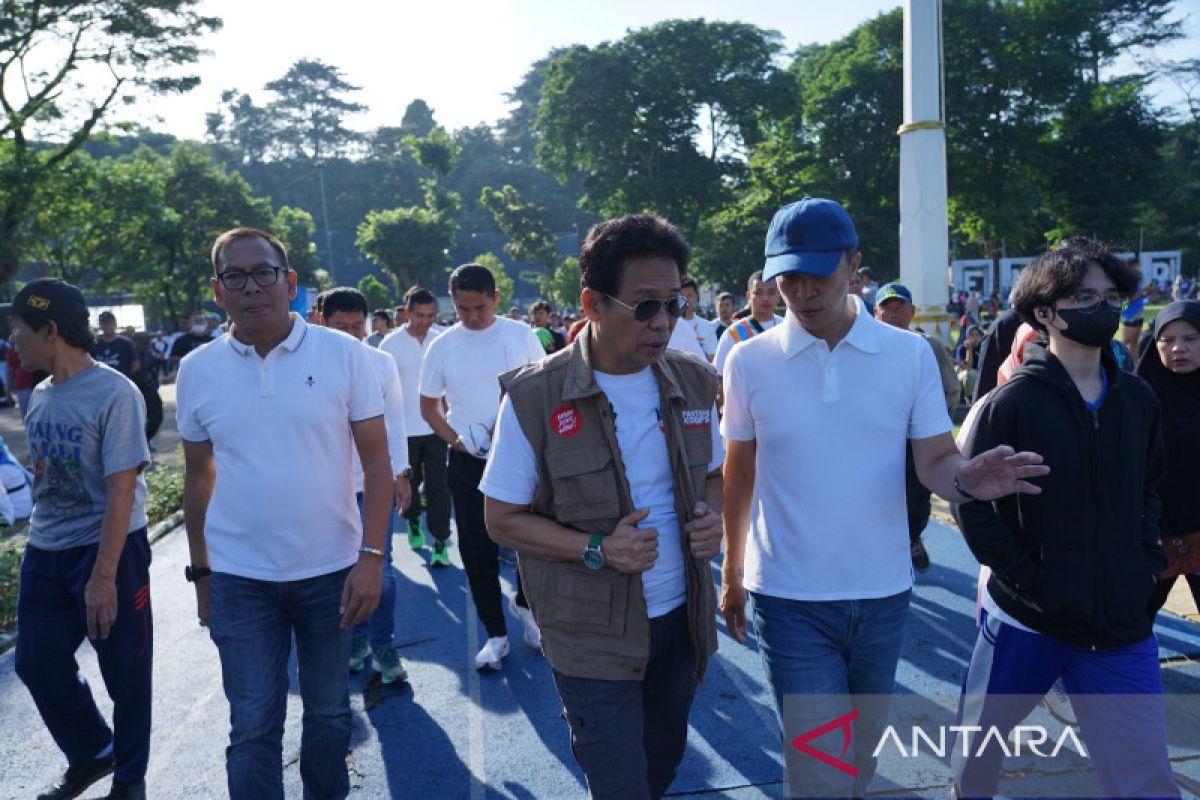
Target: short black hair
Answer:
[[107, 315], [610, 243], [726, 296], [473, 278], [417, 296], [245, 233], [1059, 273], [539, 305], [384, 314], [77, 334], [688, 282], [755, 277], [343, 298]]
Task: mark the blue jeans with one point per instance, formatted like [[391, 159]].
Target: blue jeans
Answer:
[[826, 660], [381, 625], [252, 623]]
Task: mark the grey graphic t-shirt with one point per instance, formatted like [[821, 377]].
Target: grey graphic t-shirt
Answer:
[[80, 432]]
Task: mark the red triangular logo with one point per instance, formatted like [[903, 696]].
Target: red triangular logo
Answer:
[[842, 723]]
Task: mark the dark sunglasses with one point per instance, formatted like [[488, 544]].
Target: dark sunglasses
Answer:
[[646, 310]]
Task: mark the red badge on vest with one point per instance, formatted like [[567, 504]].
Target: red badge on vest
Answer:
[[566, 420]]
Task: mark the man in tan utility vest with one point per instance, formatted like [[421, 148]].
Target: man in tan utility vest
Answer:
[[605, 478]]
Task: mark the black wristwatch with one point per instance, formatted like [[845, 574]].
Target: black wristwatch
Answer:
[[593, 557], [194, 574]]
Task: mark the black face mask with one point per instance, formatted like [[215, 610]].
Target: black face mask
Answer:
[[1091, 330]]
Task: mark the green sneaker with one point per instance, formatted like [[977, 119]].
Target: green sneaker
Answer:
[[360, 649], [389, 665], [416, 536], [439, 557]]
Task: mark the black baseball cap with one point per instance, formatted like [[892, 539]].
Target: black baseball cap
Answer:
[[53, 299]]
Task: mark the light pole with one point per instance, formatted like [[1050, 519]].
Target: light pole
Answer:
[[924, 233]]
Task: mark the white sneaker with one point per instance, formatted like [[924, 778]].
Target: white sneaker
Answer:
[[489, 657], [533, 634]]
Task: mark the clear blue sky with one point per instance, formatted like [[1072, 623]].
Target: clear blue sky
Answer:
[[462, 56]]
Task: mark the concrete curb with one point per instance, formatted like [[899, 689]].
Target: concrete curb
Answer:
[[164, 526]]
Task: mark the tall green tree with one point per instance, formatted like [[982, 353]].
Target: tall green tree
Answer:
[[376, 292], [311, 105], [295, 228], [530, 239], [174, 207], [74, 218], [124, 47], [504, 282], [1104, 162], [410, 243], [248, 130], [655, 121], [418, 119], [517, 131]]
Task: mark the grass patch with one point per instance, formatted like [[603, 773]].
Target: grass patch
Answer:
[[10, 576], [164, 491]]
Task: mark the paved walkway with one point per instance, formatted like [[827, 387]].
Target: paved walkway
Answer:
[[453, 732]]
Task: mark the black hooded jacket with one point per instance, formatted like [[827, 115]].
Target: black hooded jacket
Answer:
[[1080, 560], [1179, 396]]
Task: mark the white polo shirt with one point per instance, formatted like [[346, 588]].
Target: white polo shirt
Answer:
[[283, 507], [828, 517], [408, 352], [465, 366], [393, 414]]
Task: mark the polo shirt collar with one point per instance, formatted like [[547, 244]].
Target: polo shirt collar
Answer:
[[863, 335], [291, 343], [581, 378]]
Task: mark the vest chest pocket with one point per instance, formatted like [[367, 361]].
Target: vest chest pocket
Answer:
[[698, 450], [583, 600], [584, 483]]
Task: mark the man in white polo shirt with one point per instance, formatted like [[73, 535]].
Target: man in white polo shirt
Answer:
[[426, 452], [463, 366], [817, 411], [276, 409], [345, 309]]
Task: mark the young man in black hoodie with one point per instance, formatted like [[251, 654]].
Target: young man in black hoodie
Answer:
[[1074, 566]]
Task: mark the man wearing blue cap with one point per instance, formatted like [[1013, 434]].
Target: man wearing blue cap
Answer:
[[817, 411], [894, 306]]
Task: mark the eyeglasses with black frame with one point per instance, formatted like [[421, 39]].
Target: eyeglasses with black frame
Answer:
[[646, 310], [1090, 299], [263, 276]]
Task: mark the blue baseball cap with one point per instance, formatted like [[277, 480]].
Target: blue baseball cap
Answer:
[[808, 236], [890, 290]]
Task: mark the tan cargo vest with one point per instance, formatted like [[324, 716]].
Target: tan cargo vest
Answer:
[[594, 624]]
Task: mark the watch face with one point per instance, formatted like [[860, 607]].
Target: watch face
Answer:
[[593, 558]]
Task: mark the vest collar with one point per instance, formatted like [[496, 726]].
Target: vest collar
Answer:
[[581, 378]]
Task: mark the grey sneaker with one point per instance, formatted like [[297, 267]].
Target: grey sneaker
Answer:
[[360, 651], [389, 665]]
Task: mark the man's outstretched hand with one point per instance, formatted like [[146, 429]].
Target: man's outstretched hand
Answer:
[[1000, 472]]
